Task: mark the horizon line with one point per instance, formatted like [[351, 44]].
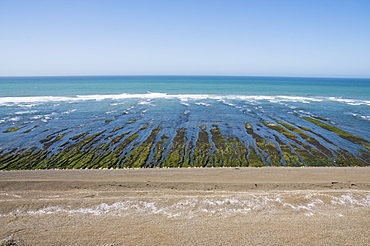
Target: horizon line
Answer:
[[168, 75]]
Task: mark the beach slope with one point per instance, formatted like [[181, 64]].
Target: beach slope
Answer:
[[192, 206]]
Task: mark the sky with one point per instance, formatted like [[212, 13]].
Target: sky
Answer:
[[313, 38]]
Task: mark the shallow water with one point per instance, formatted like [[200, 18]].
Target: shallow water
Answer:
[[91, 122]]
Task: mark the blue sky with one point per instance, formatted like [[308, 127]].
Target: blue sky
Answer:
[[143, 37]]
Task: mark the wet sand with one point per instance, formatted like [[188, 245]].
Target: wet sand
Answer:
[[192, 206]]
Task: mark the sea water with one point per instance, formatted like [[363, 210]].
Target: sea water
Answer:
[[34, 108]]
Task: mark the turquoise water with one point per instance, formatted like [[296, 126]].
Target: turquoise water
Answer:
[[256, 86], [41, 105]]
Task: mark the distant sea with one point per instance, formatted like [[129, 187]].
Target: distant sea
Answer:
[[222, 121]]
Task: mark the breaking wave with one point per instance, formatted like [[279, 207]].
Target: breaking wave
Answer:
[[10, 101]]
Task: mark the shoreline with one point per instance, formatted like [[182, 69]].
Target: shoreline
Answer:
[[235, 179], [187, 206]]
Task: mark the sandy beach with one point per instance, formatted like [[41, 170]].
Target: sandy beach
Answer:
[[189, 206]]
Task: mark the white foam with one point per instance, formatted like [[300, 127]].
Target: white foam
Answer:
[[28, 105], [350, 101], [203, 104], [26, 112], [306, 205], [36, 117], [228, 103], [350, 200], [30, 101], [15, 119], [69, 111]]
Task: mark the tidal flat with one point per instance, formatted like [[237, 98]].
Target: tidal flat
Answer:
[[138, 144]]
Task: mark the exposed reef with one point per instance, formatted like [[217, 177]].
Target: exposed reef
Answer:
[[137, 145]]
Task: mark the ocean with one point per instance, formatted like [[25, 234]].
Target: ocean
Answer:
[[183, 121]]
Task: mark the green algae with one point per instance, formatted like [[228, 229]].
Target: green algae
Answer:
[[346, 158], [71, 155], [79, 136], [282, 130], [56, 139], [117, 128], [139, 155], [130, 139], [312, 156], [89, 141], [320, 118], [177, 153], [47, 139], [289, 157], [266, 146], [159, 148], [290, 145], [352, 138], [254, 159], [51, 139], [144, 127], [118, 138], [296, 153], [273, 152], [22, 159], [317, 134], [131, 121], [229, 150], [102, 156], [13, 129], [201, 153]]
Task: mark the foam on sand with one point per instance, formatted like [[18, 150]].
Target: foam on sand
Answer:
[[303, 203]]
